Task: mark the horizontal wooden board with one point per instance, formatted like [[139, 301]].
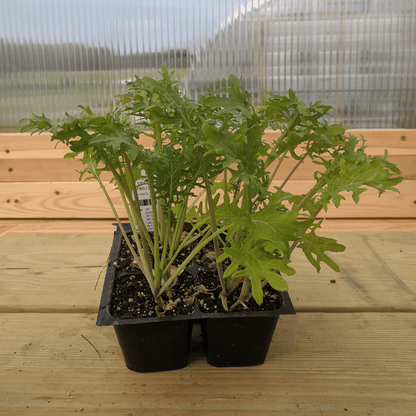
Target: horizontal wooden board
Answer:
[[92, 226], [58, 271], [44, 170], [61, 170], [86, 200], [25, 158], [61, 271], [26, 146], [107, 226], [376, 272], [318, 364], [38, 146]]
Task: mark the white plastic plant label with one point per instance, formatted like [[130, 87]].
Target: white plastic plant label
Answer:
[[145, 201]]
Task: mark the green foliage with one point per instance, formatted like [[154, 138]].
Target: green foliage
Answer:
[[314, 248], [211, 166]]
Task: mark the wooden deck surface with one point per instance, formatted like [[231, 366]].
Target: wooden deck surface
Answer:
[[350, 350]]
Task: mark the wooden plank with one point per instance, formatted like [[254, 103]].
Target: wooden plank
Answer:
[[49, 272], [104, 226], [406, 163], [34, 158], [15, 145], [4, 228], [107, 226], [388, 138], [61, 170], [397, 141], [86, 200], [42, 170], [371, 205], [318, 364], [59, 272], [366, 224], [38, 146], [56, 200], [376, 272]]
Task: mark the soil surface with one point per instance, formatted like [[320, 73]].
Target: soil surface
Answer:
[[132, 297], [211, 303]]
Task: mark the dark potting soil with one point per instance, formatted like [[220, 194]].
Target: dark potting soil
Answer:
[[132, 297], [208, 277], [210, 302]]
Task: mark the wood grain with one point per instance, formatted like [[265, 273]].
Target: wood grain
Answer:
[[53, 272], [56, 200], [318, 364], [376, 272], [399, 141], [61, 170], [59, 272], [25, 158], [107, 226], [97, 226], [86, 200], [42, 170]]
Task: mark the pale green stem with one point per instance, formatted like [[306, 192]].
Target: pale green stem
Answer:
[[247, 199], [130, 175], [311, 193], [211, 208], [294, 169], [282, 157], [165, 240], [225, 185], [248, 297], [194, 252], [190, 238], [146, 264], [234, 284], [282, 137], [132, 181], [158, 136], [295, 243], [134, 254], [178, 228], [198, 197], [279, 163], [244, 294], [155, 227], [144, 255], [137, 213], [161, 216], [186, 243]]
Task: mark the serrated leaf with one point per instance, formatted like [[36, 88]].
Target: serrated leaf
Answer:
[[355, 172], [314, 248], [257, 266], [272, 225]]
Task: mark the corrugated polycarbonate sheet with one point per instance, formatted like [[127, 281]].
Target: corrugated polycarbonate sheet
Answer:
[[358, 55]]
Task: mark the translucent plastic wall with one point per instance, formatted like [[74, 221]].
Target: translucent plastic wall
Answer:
[[357, 55]]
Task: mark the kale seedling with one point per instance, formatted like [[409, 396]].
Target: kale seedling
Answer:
[[210, 165]]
